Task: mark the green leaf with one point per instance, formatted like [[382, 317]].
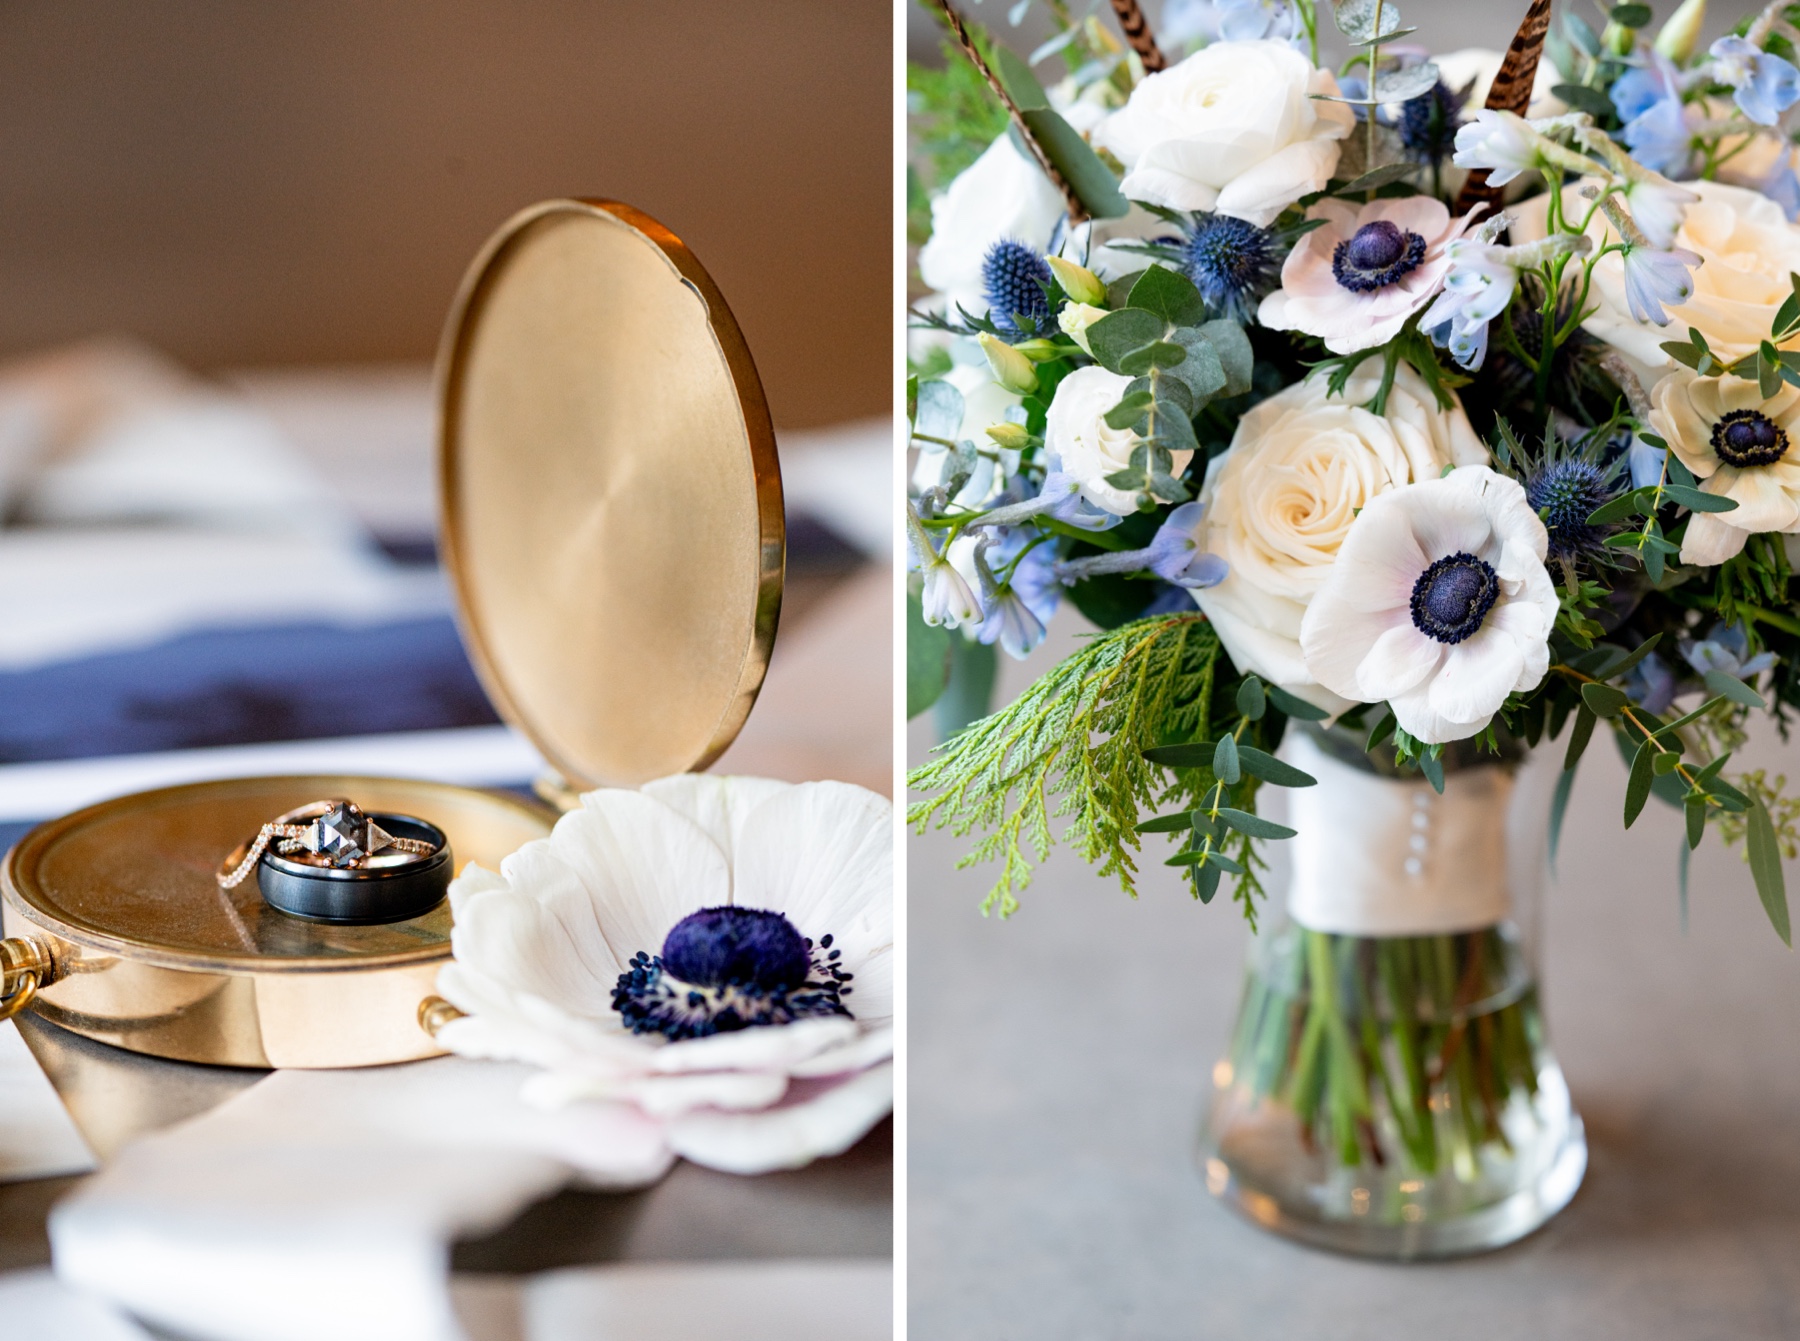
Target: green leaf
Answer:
[[1225, 760], [1129, 412], [1768, 370], [1118, 334], [1603, 700], [1678, 472], [1274, 771], [1204, 371], [1579, 737], [1168, 823], [1432, 766], [1637, 784], [1584, 99], [1729, 686], [1170, 296], [1665, 762], [1206, 881], [1626, 663], [1383, 728], [1229, 342], [1224, 862], [1294, 706], [938, 412], [1764, 851], [1630, 16], [1694, 811], [1157, 354], [1250, 698], [1198, 755], [1559, 803], [1685, 718], [1625, 505], [1356, 20], [1254, 825], [1091, 180], [1377, 178], [927, 658], [1694, 500]]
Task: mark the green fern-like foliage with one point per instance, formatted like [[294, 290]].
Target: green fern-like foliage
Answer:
[[1072, 746]]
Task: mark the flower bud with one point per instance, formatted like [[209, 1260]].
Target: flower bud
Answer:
[[1080, 283], [1074, 320], [1679, 36], [1012, 437], [1011, 368], [1617, 40], [1041, 351]]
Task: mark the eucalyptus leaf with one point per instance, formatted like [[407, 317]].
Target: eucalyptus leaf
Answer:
[[1626, 663], [1694, 812], [1559, 803], [1170, 296], [1378, 177], [1637, 783], [1678, 473], [1157, 354], [1206, 882], [940, 411], [1225, 760], [1630, 15], [1236, 358], [1433, 768], [1178, 823], [1203, 371], [1119, 334], [1295, 706], [1276, 772], [1250, 698], [1022, 85], [1603, 700], [1254, 825], [1199, 755], [1579, 737], [1696, 501], [1356, 19], [1764, 851], [1729, 686], [1091, 180]]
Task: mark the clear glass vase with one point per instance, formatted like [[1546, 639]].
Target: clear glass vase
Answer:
[[1388, 1090]]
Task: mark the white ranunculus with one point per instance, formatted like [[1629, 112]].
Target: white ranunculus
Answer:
[[1076, 433], [602, 913], [1234, 128], [1747, 250], [1438, 605], [1282, 498], [1003, 194]]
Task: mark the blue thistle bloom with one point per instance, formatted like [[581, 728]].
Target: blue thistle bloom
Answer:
[[1429, 122], [1012, 278], [1233, 263], [1564, 491]]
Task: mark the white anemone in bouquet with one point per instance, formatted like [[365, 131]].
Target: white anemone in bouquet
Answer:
[[716, 952], [1439, 604]]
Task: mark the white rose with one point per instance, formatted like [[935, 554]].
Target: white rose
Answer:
[[1281, 499], [1077, 434], [1747, 249], [1233, 128], [1003, 194]]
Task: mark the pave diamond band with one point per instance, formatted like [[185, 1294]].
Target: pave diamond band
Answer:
[[335, 832]]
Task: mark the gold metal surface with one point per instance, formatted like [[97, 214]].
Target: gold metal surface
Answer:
[[146, 951], [435, 1013], [612, 502]]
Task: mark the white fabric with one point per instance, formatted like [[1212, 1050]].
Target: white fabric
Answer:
[[1380, 856], [473, 756], [38, 1139], [337, 1193], [36, 1304]]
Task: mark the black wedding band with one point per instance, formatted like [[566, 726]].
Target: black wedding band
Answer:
[[368, 893]]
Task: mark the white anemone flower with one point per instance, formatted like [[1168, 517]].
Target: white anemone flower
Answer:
[[715, 952], [1438, 603]]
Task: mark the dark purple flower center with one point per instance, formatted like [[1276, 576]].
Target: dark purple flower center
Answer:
[[749, 946], [1379, 254], [1748, 438], [1453, 596]]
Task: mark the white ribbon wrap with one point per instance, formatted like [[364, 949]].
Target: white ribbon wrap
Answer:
[[1379, 856]]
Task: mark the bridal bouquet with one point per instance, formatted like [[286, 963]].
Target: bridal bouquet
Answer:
[[1442, 407]]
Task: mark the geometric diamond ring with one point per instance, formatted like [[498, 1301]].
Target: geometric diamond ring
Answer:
[[338, 831]]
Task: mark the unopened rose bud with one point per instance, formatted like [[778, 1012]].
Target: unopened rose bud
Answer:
[[1011, 368], [1681, 34], [1080, 283]]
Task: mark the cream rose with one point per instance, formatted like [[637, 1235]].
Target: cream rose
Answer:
[[1077, 434], [1747, 249], [1003, 194], [1234, 128], [1282, 498]]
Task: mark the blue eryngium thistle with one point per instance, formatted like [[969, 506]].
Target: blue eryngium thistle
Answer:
[[1428, 123], [1564, 491], [1013, 278], [1232, 263]]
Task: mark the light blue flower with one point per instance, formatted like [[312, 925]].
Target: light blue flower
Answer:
[[1174, 554], [1763, 86], [1727, 649], [1651, 684], [1660, 137], [1782, 185], [1019, 608], [1653, 278], [1645, 463], [1060, 497], [1641, 88]]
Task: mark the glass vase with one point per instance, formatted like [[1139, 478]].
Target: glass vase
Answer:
[[1388, 1090]]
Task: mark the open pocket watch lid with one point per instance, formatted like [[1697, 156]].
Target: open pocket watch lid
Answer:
[[612, 515]]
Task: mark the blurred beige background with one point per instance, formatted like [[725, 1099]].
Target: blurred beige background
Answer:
[[284, 183]]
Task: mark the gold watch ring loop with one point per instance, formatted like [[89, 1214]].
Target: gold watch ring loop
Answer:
[[23, 995]]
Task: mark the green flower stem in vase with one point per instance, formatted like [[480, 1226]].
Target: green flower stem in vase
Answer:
[[1392, 1094]]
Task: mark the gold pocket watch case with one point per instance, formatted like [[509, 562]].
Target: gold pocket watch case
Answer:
[[612, 524]]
